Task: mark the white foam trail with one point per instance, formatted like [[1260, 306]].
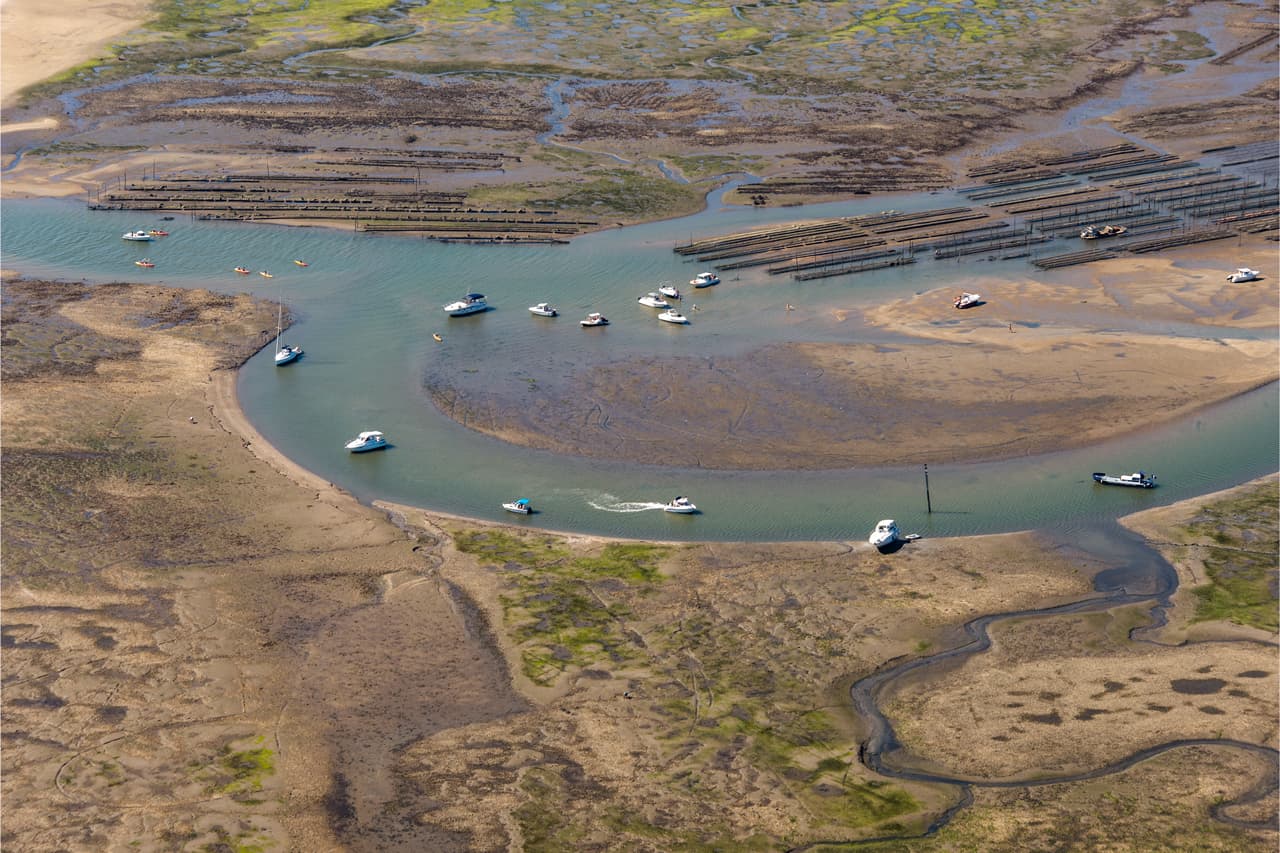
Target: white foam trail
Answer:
[[616, 505]]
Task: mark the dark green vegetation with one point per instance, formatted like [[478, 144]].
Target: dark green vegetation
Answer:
[[1243, 564]]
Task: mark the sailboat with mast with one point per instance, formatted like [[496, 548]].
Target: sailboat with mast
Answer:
[[285, 354]]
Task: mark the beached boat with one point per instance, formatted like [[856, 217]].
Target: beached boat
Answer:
[[594, 319], [1242, 275], [137, 236], [1138, 479], [967, 300], [520, 506], [885, 534], [673, 316], [285, 354], [145, 262], [669, 291], [704, 279], [542, 309], [680, 505], [366, 441], [472, 303], [653, 300], [242, 270]]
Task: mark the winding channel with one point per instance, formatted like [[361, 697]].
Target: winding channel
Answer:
[[1142, 575]]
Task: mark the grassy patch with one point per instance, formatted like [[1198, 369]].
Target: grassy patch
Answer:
[[564, 610], [1242, 565]]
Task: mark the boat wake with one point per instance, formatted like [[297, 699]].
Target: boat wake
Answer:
[[609, 503]]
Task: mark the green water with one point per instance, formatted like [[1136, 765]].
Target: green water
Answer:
[[368, 304]]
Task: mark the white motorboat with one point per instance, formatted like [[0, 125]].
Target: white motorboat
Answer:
[[1242, 275], [366, 441], [653, 300], [594, 319], [673, 316], [285, 354], [704, 279], [542, 309], [885, 534], [669, 291], [520, 506], [967, 300], [1138, 479], [137, 236], [680, 504], [472, 303]]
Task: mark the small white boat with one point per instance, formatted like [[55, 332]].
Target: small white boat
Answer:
[[542, 309], [520, 506], [1138, 479], [366, 441], [967, 300], [594, 319], [704, 279], [885, 534], [1242, 275], [681, 505], [137, 236], [472, 303], [673, 316], [653, 300], [669, 291]]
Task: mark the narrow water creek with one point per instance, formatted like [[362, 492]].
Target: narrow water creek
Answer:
[[1138, 574]]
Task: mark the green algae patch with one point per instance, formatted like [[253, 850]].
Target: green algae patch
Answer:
[[1241, 563]]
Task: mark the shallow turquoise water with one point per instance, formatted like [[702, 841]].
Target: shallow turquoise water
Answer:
[[368, 304]]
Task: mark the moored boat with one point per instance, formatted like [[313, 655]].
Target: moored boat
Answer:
[[1138, 479], [285, 354], [669, 291], [542, 309], [885, 534], [368, 440], [680, 505], [137, 236], [1242, 275], [704, 279], [520, 506], [594, 319], [472, 303], [653, 300], [673, 316]]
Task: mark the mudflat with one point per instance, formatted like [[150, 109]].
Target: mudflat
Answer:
[[206, 646]]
